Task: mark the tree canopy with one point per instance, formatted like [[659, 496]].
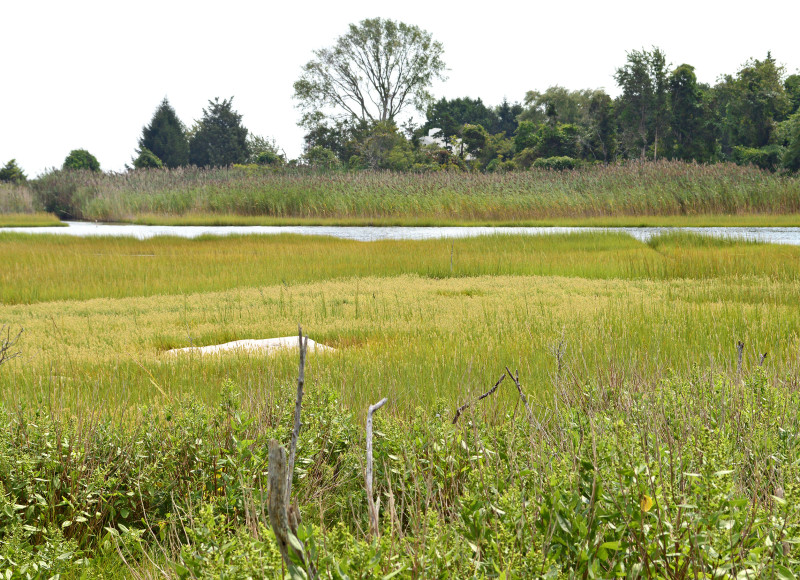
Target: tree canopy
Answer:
[[371, 74], [12, 173], [219, 138], [81, 159], [165, 137]]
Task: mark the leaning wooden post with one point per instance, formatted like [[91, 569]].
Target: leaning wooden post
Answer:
[[297, 406], [371, 504]]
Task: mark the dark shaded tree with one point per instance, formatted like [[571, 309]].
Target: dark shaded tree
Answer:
[[792, 87], [12, 173], [690, 137], [601, 135], [219, 138], [450, 115], [507, 121], [642, 108], [750, 104], [165, 137]]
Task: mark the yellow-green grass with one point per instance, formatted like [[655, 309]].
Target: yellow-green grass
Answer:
[[29, 220], [48, 267], [404, 326], [709, 220]]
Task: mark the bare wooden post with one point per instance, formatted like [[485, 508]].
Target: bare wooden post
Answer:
[[371, 504], [740, 351], [278, 513], [761, 359], [297, 406]]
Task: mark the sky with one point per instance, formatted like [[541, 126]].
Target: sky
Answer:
[[90, 74]]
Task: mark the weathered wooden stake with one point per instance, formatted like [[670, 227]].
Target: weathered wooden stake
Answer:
[[761, 359], [297, 407], [740, 351], [374, 507]]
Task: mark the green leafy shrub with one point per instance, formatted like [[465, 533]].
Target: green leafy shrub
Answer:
[[81, 159], [555, 163], [147, 160]]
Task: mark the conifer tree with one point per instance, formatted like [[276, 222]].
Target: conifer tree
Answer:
[[220, 139], [165, 137]]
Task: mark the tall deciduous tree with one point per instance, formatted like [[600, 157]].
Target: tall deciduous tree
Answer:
[[601, 138], [690, 137], [165, 137], [642, 107], [219, 139], [751, 103], [371, 74]]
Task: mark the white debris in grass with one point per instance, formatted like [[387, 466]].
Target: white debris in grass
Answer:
[[259, 346]]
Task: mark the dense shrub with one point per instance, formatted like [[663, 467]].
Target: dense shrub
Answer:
[[81, 159], [555, 163]]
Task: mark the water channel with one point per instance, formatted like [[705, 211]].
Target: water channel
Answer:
[[787, 235]]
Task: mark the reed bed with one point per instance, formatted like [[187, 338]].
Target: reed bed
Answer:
[[632, 189], [16, 199]]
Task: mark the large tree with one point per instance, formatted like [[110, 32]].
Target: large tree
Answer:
[[165, 137], [450, 115], [642, 107], [219, 138], [371, 74], [690, 136], [12, 173]]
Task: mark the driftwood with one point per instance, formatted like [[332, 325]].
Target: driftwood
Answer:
[[373, 506], [463, 407]]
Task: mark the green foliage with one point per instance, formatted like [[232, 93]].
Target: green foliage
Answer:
[[475, 139], [12, 173], [147, 160], [526, 136], [753, 102], [565, 106], [792, 87], [791, 159], [264, 151], [219, 139], [555, 163], [689, 138], [81, 159], [318, 157], [165, 137], [601, 137], [642, 107], [450, 115], [769, 157]]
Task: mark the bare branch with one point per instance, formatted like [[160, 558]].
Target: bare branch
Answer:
[[463, 407], [297, 407], [7, 343], [373, 507]]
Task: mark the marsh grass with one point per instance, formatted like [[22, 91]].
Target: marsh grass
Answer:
[[191, 195], [647, 452]]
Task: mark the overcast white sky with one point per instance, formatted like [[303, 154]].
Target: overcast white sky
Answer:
[[89, 74]]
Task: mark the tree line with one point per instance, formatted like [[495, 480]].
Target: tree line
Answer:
[[353, 96]]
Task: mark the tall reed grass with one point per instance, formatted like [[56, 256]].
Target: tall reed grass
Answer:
[[632, 189]]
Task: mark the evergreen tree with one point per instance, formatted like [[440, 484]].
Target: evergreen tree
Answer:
[[165, 137], [12, 173], [219, 139]]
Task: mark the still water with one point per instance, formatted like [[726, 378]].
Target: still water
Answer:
[[369, 234]]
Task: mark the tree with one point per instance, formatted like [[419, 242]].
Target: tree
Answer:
[[752, 103], [165, 137], [264, 151], [81, 159], [792, 87], [219, 138], [506, 118], [688, 122], [371, 74], [642, 107], [147, 160], [602, 132], [569, 107], [12, 173], [451, 115]]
